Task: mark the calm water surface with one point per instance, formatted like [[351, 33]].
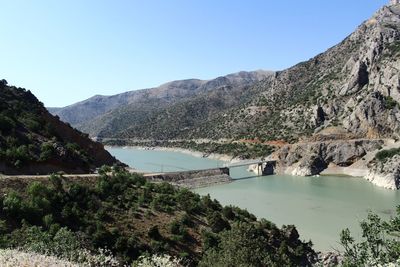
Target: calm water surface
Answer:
[[319, 206]]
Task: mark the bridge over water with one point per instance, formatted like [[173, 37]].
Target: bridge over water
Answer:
[[262, 167]]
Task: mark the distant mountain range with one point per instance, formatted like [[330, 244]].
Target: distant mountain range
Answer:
[[353, 86], [163, 112]]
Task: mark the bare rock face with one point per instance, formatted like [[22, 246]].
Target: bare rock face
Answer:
[[371, 118], [319, 115], [310, 165], [311, 158], [358, 79], [330, 259], [386, 174]]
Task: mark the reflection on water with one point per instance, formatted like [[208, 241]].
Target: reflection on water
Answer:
[[320, 207]]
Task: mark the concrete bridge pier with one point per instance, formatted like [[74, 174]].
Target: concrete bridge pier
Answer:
[[269, 168], [263, 168]]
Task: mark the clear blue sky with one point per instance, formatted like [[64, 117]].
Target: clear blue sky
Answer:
[[67, 51]]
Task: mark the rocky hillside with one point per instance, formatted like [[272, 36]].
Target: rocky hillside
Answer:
[[340, 109], [32, 141], [353, 86], [108, 116]]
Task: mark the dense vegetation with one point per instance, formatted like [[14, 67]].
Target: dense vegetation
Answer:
[[380, 245], [386, 154], [130, 216], [30, 136], [19, 114]]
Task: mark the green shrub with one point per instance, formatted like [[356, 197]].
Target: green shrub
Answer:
[[3, 227], [13, 205], [162, 202], [17, 155], [186, 220], [179, 231], [216, 222], [63, 243], [31, 123], [228, 213], [210, 240], [384, 155], [188, 200], [154, 233], [390, 102], [6, 123], [380, 245], [102, 237], [237, 249], [47, 151]]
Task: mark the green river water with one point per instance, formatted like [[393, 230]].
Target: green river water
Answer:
[[319, 206]]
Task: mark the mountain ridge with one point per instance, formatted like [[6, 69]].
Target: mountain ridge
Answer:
[[98, 105]]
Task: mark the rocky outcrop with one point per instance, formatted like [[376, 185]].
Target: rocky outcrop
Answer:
[[371, 118], [310, 165], [385, 173], [310, 158], [329, 259], [345, 157]]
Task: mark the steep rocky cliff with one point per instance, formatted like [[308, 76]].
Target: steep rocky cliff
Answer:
[[32, 141], [354, 107], [385, 174]]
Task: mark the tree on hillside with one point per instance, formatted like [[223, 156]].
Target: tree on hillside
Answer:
[[380, 243]]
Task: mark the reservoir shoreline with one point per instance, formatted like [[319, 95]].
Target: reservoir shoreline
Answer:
[[194, 153], [345, 172]]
